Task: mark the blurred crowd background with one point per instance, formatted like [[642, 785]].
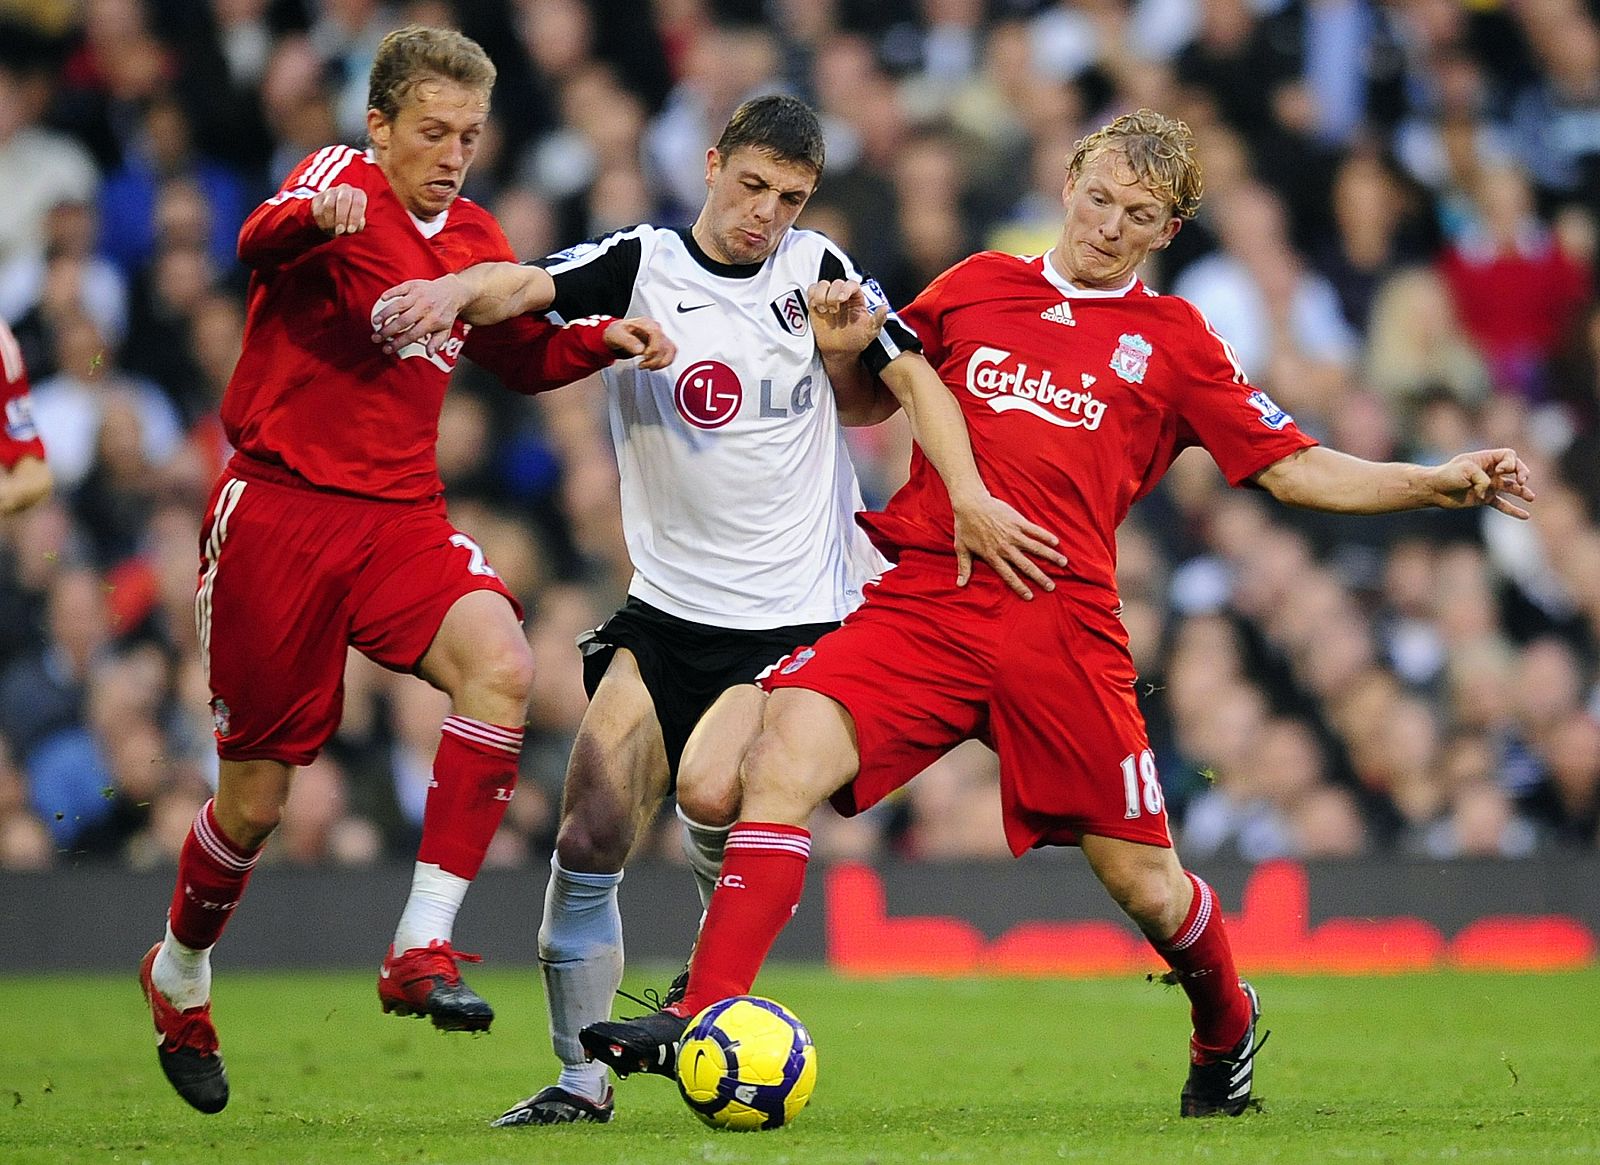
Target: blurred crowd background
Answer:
[[1398, 237]]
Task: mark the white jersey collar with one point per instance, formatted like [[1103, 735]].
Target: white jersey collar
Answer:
[[1071, 291]]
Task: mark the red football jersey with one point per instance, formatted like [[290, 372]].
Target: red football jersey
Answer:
[[312, 392], [1077, 402], [19, 437]]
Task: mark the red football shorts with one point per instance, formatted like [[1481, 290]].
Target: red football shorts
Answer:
[[923, 665], [290, 577]]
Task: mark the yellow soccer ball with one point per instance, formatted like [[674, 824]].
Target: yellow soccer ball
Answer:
[[746, 1063]]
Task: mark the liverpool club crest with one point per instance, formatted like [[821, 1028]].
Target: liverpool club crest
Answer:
[[1131, 358]]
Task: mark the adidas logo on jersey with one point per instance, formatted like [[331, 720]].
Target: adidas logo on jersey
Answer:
[[1060, 314]]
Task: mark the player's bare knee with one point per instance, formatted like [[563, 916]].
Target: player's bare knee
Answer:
[[709, 796], [1150, 898], [595, 841], [504, 670], [248, 822]]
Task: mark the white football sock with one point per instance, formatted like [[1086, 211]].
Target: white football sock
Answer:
[[430, 913], [182, 974], [580, 959], [703, 845]]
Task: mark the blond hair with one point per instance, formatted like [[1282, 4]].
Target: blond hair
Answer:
[[1160, 151], [416, 53]]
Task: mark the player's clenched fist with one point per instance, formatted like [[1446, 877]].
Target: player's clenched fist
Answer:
[[340, 210], [843, 320]]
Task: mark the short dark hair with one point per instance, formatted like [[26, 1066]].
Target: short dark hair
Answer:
[[415, 53], [783, 126]]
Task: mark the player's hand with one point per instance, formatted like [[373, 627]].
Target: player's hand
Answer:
[[643, 337], [1485, 477], [992, 530], [841, 319], [340, 210], [418, 311]]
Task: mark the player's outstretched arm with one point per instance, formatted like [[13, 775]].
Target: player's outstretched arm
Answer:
[[25, 484], [1319, 478], [985, 526], [843, 325], [424, 310]]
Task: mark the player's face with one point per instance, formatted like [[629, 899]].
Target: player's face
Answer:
[[1113, 223], [751, 199], [427, 149]]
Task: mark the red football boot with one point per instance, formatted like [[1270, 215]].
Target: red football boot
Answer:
[[424, 981], [186, 1046]]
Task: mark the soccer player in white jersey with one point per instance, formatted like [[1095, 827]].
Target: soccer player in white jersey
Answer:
[[739, 503]]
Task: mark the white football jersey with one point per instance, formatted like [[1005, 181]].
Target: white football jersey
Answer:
[[738, 493]]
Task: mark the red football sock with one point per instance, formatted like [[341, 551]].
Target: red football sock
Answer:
[[212, 872], [763, 872], [474, 773], [1200, 954]]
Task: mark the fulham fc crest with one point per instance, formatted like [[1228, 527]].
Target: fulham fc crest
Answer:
[[790, 308]]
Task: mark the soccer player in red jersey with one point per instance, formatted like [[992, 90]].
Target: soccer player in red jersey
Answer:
[[24, 476], [328, 530], [1079, 386]]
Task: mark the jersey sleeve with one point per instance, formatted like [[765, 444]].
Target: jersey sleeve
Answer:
[[896, 337], [596, 277], [925, 314], [19, 437], [281, 228], [1237, 423], [532, 355]]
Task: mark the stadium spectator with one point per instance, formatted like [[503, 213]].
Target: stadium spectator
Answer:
[[1257, 292], [1371, 217], [1416, 349], [1516, 292], [39, 168], [1051, 684]]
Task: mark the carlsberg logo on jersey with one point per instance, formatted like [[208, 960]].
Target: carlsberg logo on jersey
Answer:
[[444, 359], [1004, 386]]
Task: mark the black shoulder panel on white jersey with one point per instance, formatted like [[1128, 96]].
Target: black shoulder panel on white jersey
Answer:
[[596, 277]]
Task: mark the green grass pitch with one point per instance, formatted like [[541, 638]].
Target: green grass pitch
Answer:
[[1447, 1067]]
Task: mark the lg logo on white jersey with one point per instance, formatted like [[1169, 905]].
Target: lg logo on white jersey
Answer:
[[709, 394]]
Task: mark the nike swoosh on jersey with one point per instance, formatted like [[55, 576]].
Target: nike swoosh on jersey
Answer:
[[682, 310]]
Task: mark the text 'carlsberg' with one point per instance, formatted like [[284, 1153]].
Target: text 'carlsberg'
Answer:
[[1005, 388]]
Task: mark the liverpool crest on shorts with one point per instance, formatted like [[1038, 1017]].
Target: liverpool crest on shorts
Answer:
[[221, 717], [1132, 357], [19, 419], [790, 308]]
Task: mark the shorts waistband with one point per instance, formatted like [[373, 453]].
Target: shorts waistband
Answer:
[[254, 469]]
